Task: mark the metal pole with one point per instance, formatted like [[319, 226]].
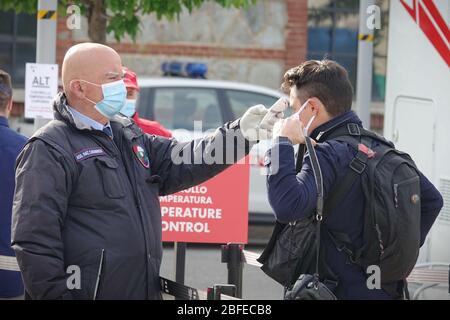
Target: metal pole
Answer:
[[232, 256], [365, 62], [180, 262], [45, 43]]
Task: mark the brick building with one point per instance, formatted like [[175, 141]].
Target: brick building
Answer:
[[255, 46]]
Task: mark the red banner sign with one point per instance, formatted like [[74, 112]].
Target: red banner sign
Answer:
[[213, 212]]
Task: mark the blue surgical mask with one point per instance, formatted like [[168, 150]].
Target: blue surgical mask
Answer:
[[114, 96], [129, 109], [305, 128]]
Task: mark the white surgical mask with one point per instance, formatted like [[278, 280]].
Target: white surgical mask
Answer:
[[129, 109], [305, 128]]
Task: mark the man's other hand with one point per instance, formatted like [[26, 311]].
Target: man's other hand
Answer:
[[292, 128]]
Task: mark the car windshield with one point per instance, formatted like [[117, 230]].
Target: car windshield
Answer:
[[184, 110], [240, 101]]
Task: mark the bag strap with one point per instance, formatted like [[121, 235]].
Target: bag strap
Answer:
[[300, 154], [319, 207], [357, 166], [278, 228], [354, 135], [356, 131]]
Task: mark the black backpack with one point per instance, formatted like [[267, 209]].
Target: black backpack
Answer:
[[391, 231], [391, 187]]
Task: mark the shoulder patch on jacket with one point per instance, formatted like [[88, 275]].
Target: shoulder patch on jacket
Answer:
[[88, 153], [141, 155]]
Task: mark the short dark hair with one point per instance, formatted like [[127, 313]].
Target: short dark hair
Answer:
[[5, 89], [324, 79]]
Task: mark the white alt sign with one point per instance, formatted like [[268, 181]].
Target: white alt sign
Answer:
[[41, 86]]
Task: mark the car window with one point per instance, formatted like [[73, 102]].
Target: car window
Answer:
[[143, 103], [178, 108], [240, 101]]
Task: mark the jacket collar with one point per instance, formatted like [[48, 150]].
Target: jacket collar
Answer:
[[3, 121], [62, 112], [321, 132]]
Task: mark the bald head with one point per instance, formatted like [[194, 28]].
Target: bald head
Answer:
[[90, 61], [86, 66]]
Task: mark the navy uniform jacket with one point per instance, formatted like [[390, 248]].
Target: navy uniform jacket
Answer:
[[88, 202], [10, 145], [293, 196]]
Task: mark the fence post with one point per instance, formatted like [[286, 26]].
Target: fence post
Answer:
[[232, 255], [215, 292], [180, 262]]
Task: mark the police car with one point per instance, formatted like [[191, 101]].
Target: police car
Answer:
[[178, 102]]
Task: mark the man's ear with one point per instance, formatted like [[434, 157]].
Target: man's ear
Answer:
[[77, 89], [319, 109], [315, 104], [9, 107]]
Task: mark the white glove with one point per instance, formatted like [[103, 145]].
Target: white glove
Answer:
[[276, 112], [250, 124], [277, 128]]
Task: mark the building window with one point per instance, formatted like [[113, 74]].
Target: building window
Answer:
[[17, 44], [333, 33]]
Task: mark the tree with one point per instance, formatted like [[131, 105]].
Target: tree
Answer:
[[121, 17]]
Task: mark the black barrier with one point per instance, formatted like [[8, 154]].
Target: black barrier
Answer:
[[183, 292], [232, 255], [231, 291], [180, 291], [235, 256], [222, 292], [180, 262]]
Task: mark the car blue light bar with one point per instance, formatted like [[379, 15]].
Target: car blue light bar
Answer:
[[189, 70], [196, 70], [173, 68]]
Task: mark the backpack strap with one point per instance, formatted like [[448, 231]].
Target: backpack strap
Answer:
[[300, 154], [357, 165], [354, 136], [343, 243], [317, 174], [356, 131], [319, 208]]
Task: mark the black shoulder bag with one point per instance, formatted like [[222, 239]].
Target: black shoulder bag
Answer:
[[292, 254]]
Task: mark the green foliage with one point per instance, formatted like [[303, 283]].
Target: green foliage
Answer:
[[124, 15], [124, 19], [26, 6]]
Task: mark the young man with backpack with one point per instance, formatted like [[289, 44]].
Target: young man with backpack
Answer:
[[378, 207]]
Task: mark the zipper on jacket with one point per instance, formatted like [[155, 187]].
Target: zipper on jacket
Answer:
[[396, 195], [380, 241], [99, 274]]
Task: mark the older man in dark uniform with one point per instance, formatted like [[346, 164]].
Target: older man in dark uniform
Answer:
[[88, 183]]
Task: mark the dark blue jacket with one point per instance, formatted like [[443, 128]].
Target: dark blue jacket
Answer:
[[83, 199], [10, 145], [293, 196]]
